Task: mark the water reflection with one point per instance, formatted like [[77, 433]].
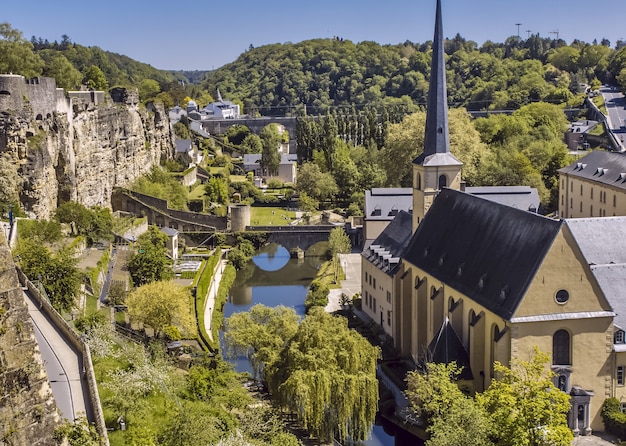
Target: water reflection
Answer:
[[272, 279]]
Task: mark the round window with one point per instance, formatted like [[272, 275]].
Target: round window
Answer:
[[562, 296]]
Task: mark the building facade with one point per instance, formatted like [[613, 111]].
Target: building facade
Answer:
[[593, 186]]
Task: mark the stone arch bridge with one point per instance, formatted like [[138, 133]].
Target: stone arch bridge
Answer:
[[292, 237]]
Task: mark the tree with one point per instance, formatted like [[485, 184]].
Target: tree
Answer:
[[62, 70], [252, 144], [525, 406], [307, 204], [57, 272], [148, 89], [327, 377], [260, 334], [95, 79], [321, 370], [453, 418], [315, 183], [95, 224], [216, 190], [16, 53], [160, 304], [270, 157], [150, 263], [77, 433], [338, 243]]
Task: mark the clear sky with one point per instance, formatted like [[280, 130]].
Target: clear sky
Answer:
[[208, 34]]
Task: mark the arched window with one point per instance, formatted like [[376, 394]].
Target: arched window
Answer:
[[418, 181], [443, 181], [561, 348]]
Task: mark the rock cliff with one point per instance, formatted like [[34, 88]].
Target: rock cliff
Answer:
[[28, 413], [79, 149]]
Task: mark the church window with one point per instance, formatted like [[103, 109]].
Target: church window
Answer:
[[443, 181], [561, 348], [592, 193], [418, 181], [562, 296], [620, 375], [619, 337], [581, 189]]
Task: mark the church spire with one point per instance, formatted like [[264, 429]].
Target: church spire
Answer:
[[436, 138], [435, 168]]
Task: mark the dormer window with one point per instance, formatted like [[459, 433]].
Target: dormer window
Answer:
[[619, 337]]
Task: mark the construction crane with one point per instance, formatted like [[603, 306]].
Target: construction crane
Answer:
[[556, 32]]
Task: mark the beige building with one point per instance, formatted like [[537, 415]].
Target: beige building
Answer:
[[381, 207], [478, 281], [508, 280], [379, 267], [593, 186]]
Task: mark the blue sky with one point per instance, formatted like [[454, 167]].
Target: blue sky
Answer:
[[208, 34]]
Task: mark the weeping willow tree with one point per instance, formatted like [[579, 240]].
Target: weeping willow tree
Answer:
[[324, 373]]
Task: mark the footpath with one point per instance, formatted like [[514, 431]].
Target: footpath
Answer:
[[209, 302]]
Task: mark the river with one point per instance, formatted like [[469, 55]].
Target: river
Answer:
[[272, 279]]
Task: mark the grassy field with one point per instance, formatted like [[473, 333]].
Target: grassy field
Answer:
[[271, 216]]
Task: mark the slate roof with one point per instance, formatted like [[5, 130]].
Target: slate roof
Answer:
[[183, 145], [525, 198], [384, 203], [602, 167], [603, 245], [488, 251], [255, 158], [446, 347], [387, 249]]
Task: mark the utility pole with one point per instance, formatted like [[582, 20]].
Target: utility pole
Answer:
[[528, 34], [518, 25]]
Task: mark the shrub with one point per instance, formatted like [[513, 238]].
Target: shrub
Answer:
[[613, 418], [317, 296]]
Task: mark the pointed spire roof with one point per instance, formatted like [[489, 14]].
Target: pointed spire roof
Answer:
[[447, 347], [436, 138]]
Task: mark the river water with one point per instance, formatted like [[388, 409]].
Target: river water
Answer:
[[272, 278]]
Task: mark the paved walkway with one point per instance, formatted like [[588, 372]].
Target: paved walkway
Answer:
[[209, 303], [351, 265], [63, 365]]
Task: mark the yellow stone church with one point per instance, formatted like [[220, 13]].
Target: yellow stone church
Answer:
[[495, 282]]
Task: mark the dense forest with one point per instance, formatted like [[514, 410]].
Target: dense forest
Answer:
[[316, 74], [322, 73]]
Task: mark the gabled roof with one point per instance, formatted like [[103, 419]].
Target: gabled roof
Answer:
[[487, 251], [603, 245], [446, 347], [387, 249], [525, 198], [599, 166], [386, 203]]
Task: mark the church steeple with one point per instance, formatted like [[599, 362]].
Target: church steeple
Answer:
[[436, 138], [436, 167]]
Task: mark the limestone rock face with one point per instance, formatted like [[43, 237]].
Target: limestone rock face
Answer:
[[28, 413], [82, 151]]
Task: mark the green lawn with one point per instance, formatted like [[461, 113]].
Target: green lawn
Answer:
[[271, 216], [197, 193]]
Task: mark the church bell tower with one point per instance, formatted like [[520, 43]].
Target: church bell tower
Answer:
[[436, 167]]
